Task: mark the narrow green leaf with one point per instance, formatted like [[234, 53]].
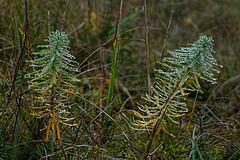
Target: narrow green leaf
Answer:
[[15, 140]]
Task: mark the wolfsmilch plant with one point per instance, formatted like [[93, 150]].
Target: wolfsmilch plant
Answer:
[[183, 69], [52, 81]]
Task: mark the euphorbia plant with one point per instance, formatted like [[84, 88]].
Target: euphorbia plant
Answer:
[[52, 81]]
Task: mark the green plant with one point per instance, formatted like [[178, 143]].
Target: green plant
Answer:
[[52, 82], [183, 70]]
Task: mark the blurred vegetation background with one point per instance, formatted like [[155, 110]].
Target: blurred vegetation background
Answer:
[[90, 26]]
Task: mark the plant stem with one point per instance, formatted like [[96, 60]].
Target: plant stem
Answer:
[[147, 48], [159, 122], [114, 69], [166, 37]]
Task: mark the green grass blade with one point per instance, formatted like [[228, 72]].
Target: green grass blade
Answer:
[[234, 154], [14, 151], [199, 153], [18, 37], [111, 87], [193, 144]]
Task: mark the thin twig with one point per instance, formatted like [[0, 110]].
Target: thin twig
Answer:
[[194, 104], [166, 37], [116, 37], [147, 48]]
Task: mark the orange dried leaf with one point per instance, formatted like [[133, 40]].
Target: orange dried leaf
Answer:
[[107, 81], [167, 131], [53, 123], [58, 135], [114, 43], [48, 128], [139, 123]]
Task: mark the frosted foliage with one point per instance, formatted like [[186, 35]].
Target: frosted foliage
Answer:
[[197, 58], [56, 58], [179, 76], [58, 40], [53, 76]]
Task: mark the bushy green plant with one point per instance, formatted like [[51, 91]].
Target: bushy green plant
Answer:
[[52, 82], [179, 76]]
